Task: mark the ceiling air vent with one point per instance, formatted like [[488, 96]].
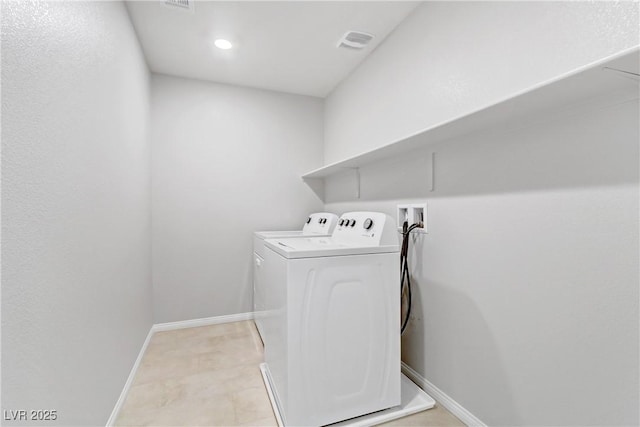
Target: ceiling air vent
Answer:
[[182, 4], [355, 40]]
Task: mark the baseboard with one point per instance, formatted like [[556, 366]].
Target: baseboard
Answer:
[[168, 327], [442, 398], [127, 385], [206, 321]]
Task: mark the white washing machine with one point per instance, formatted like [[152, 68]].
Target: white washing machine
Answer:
[[318, 224], [333, 322]]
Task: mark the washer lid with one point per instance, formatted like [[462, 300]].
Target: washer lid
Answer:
[[312, 247], [278, 234]]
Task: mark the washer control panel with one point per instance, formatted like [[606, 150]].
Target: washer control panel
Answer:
[[320, 223], [365, 228]]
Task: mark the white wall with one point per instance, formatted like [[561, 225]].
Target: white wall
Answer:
[[226, 161], [76, 285], [449, 58], [526, 287]]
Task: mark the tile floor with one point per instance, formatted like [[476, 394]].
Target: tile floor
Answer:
[[209, 376]]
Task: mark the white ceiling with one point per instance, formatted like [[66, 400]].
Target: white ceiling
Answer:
[[288, 46]]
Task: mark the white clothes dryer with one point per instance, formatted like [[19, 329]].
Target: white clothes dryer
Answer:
[[317, 224], [333, 321]]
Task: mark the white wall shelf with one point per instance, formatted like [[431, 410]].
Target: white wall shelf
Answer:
[[615, 76]]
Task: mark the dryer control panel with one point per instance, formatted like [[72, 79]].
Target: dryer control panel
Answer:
[[365, 229], [320, 223]]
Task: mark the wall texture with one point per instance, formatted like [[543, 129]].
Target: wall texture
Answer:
[[226, 161], [76, 285], [450, 58], [526, 287]]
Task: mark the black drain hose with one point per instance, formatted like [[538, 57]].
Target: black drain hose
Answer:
[[405, 277]]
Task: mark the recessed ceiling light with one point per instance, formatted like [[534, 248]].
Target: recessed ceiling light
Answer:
[[223, 44]]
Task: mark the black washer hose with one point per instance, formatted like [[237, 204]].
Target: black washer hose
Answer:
[[405, 277]]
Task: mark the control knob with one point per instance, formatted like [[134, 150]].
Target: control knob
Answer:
[[308, 220], [368, 223]]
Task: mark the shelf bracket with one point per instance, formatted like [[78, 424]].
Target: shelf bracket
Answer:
[[357, 176], [432, 168], [317, 185], [624, 73]]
